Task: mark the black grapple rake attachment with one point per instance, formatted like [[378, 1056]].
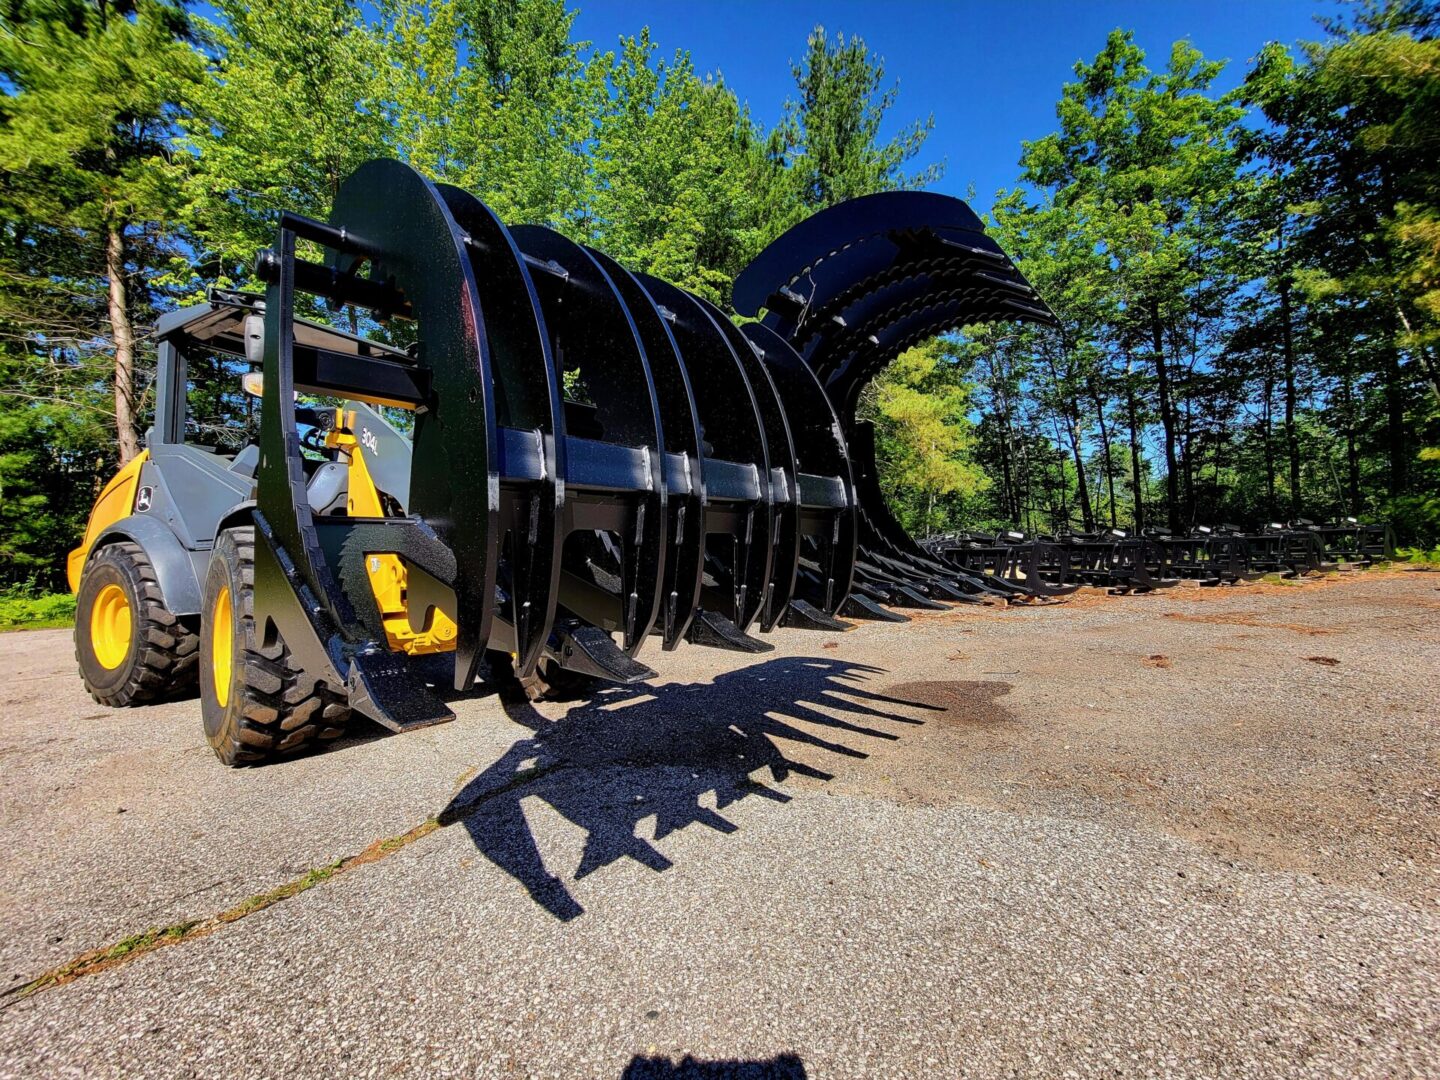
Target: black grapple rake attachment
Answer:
[[1114, 559], [1041, 568], [701, 481], [850, 289], [1348, 544]]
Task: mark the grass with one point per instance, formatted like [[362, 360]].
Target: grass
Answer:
[[1419, 557], [1279, 579], [24, 610], [137, 945], [112, 955]]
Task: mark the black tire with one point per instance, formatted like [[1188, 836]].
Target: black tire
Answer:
[[162, 653], [271, 709]]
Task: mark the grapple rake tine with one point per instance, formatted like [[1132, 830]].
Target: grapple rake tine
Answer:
[[784, 534], [825, 489], [740, 503], [418, 246], [684, 456], [615, 480], [531, 401]]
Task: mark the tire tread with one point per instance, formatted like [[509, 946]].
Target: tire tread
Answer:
[[283, 712], [166, 666]]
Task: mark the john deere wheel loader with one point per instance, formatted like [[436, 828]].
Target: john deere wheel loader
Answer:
[[701, 480]]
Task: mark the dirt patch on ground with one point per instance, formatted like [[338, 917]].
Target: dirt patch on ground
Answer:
[[1325, 764], [1192, 591], [1244, 619], [969, 704]]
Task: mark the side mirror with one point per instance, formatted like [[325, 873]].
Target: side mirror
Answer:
[[255, 338]]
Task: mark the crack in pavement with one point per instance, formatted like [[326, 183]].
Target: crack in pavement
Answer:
[[129, 949]]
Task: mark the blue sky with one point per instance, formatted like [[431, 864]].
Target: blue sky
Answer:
[[990, 72]]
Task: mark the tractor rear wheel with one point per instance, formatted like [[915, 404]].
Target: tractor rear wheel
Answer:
[[258, 706], [130, 648]]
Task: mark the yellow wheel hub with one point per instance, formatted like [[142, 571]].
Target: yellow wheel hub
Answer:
[[111, 624], [222, 646]]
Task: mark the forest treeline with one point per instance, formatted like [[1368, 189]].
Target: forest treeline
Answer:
[[1247, 283]]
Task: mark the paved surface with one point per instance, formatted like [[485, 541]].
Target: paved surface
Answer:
[[1190, 834]]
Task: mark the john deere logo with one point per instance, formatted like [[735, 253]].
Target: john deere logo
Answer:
[[142, 499]]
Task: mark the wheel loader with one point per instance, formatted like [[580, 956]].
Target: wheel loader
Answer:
[[493, 453]]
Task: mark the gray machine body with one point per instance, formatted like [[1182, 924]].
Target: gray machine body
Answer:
[[188, 493]]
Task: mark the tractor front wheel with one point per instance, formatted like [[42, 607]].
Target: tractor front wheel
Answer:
[[256, 704]]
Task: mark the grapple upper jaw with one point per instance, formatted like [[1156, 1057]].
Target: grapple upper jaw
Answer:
[[852, 287]]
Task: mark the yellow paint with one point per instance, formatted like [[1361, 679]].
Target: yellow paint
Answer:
[[117, 500], [222, 646], [386, 572], [111, 625]]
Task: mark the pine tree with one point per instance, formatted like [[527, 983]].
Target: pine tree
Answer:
[[96, 89]]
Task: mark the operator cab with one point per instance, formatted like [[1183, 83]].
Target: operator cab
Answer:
[[207, 416]]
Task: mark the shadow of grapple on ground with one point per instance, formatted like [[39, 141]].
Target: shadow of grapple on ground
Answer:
[[633, 752], [782, 1067]]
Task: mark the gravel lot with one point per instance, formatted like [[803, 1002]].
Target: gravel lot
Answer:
[[1187, 834]]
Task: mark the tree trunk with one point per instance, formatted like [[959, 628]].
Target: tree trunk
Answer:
[[1082, 487], [1187, 461], [1167, 419], [1139, 498], [1024, 497], [1060, 472], [1395, 422], [1008, 495], [1071, 415], [126, 438], [1105, 444], [1352, 446], [1424, 355], [1287, 353], [1268, 443]]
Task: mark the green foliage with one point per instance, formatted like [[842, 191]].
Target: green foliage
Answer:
[[678, 164], [1416, 513], [514, 124], [87, 222], [924, 437], [831, 135], [97, 86], [1352, 140], [1253, 305], [1138, 187], [1248, 303], [21, 609], [1420, 556], [296, 101]]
